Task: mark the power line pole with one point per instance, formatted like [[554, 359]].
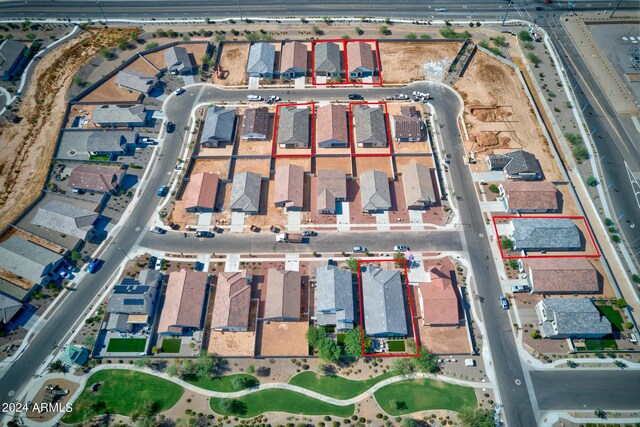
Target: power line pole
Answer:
[[239, 10], [615, 8], [507, 11]]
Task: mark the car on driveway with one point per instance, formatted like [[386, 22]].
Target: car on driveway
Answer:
[[159, 263], [152, 262], [401, 248], [359, 249], [95, 266], [157, 230], [504, 303], [519, 288]]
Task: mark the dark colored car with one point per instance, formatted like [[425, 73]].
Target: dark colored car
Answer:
[[95, 266], [174, 226], [151, 263], [353, 96], [199, 266], [204, 234], [171, 127]]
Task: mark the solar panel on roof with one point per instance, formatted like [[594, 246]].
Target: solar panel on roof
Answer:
[[133, 301]]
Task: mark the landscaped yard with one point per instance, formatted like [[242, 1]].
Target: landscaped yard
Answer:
[[225, 383], [123, 392], [340, 338], [606, 343], [424, 394], [334, 386], [126, 345], [396, 345], [277, 400], [613, 316], [171, 345]]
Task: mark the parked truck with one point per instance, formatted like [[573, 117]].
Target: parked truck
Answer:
[[289, 238]]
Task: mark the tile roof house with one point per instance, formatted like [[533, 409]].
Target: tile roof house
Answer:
[[293, 62], [326, 59], [335, 302], [82, 144], [409, 111], [133, 302], [383, 302], [370, 127], [293, 127], [289, 190], [245, 192], [231, 305], [406, 128], [66, 218], [360, 60], [255, 123], [185, 302], [331, 186], [136, 81], [219, 126], [529, 197], [561, 276], [9, 308], [332, 129], [101, 179], [178, 61], [200, 194], [419, 189], [11, 58], [119, 116], [261, 60], [374, 191], [283, 295], [439, 303], [571, 318], [536, 234], [516, 165], [29, 261]]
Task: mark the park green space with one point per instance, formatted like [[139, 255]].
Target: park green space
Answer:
[[122, 392], [335, 386], [126, 345], [278, 400], [223, 384], [171, 345]]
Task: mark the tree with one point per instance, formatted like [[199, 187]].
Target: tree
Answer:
[[384, 30], [239, 382], [315, 334], [513, 264], [206, 59], [353, 345], [399, 257], [533, 58], [75, 255], [57, 366], [524, 36], [427, 363], [535, 334], [316, 30], [353, 264], [499, 41], [89, 341], [122, 43], [494, 188], [600, 413], [404, 366], [506, 243], [141, 362], [151, 45], [592, 181], [409, 422], [358, 31], [104, 52], [172, 370], [232, 406], [251, 369], [635, 278], [470, 416], [328, 350]]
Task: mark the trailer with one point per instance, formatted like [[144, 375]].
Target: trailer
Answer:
[[289, 238]]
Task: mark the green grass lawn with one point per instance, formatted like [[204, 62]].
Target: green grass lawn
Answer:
[[123, 392], [276, 400], [334, 386], [100, 157], [606, 343], [396, 345], [424, 394], [223, 383], [126, 345], [613, 316], [171, 345], [340, 338]]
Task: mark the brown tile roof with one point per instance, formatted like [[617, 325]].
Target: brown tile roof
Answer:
[[289, 186], [283, 294], [294, 55], [409, 110], [184, 301], [406, 127], [331, 185], [568, 275], [96, 178], [201, 190], [359, 54], [255, 120], [528, 195], [331, 123], [439, 300], [232, 301]]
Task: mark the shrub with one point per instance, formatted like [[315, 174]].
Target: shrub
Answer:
[[359, 31], [506, 243], [494, 188], [151, 45], [635, 278], [620, 303], [384, 30], [534, 59], [524, 36], [616, 239], [499, 41], [592, 181], [411, 36], [513, 264], [535, 334]]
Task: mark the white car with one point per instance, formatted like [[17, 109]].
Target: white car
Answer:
[[402, 96], [157, 230], [359, 249], [159, 263], [254, 98], [401, 248]]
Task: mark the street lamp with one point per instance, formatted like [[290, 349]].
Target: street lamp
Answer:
[[102, 11], [125, 254], [506, 12], [239, 10]]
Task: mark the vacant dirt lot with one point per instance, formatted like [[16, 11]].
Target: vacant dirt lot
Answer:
[[283, 339], [26, 149], [403, 62], [233, 62]]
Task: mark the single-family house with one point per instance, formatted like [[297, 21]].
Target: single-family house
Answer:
[[529, 197], [331, 187], [12, 58], [293, 62], [117, 116], [200, 194], [516, 165], [419, 189], [374, 191], [255, 124], [178, 61], [136, 81], [561, 276], [383, 302], [219, 127], [132, 304], [185, 302], [538, 234], [326, 59], [574, 318], [66, 218], [332, 129], [99, 179], [24, 259], [245, 193], [283, 295], [370, 127], [335, 302], [231, 305], [261, 60], [74, 355], [83, 144], [9, 309], [289, 191], [293, 127], [360, 60], [11, 289], [406, 128], [439, 304]]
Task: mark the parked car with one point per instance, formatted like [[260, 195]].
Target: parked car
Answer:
[[254, 98], [309, 233], [95, 266], [504, 303], [65, 274], [159, 263], [179, 91], [204, 234], [162, 191], [152, 262], [359, 249], [147, 140], [355, 96], [171, 127], [174, 226], [157, 230], [401, 248], [389, 97], [519, 288], [199, 266], [401, 96]]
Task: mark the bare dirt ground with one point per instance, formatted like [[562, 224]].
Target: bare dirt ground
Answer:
[[283, 339], [62, 384], [260, 166], [219, 166], [382, 164], [298, 161], [26, 149], [343, 163], [403, 62], [233, 62]]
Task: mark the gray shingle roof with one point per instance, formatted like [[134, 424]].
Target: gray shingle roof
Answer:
[[572, 317], [326, 57], [26, 259], [135, 296], [177, 58], [219, 124], [334, 304], [65, 218], [293, 126], [261, 58], [374, 191], [108, 115], [79, 144], [245, 192], [545, 233], [136, 80], [515, 163], [370, 125], [8, 308], [383, 301]]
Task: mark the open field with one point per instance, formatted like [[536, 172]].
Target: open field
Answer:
[[335, 386], [403, 62]]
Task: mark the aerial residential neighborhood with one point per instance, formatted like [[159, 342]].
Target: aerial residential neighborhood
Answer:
[[392, 214]]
